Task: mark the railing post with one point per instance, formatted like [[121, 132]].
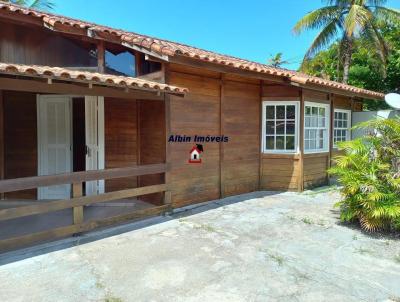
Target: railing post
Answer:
[[167, 200], [77, 211]]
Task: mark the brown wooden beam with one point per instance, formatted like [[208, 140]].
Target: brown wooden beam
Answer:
[[76, 203], [75, 89], [226, 69], [24, 183], [101, 61]]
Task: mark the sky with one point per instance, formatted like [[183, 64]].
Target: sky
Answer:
[[251, 29]]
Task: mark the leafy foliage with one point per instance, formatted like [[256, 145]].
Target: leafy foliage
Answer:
[[367, 70], [38, 4], [345, 21], [369, 172]]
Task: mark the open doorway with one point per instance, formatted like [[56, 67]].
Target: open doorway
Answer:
[[70, 139]]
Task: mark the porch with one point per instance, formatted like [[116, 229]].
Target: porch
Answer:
[[78, 151]]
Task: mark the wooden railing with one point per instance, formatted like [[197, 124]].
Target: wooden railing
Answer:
[[77, 201]]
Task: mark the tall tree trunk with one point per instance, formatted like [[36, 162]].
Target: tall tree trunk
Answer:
[[347, 52]]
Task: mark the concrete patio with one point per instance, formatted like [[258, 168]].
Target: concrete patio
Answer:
[[254, 247]]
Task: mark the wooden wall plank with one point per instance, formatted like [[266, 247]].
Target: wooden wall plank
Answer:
[[20, 139], [152, 144], [120, 128]]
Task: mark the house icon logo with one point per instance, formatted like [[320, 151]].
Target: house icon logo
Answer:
[[195, 154]]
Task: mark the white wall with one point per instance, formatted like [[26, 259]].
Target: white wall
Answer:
[[364, 116]]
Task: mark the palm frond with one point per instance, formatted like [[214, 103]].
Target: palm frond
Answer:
[[317, 19], [357, 19], [323, 39]]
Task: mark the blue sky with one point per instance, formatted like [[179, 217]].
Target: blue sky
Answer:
[[251, 29]]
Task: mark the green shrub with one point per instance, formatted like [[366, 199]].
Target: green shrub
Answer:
[[369, 172]]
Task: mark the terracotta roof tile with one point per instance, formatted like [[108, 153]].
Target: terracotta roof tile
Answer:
[[164, 47], [65, 74]]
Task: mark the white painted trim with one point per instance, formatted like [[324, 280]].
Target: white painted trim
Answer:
[[101, 144], [327, 127], [349, 122], [296, 131]]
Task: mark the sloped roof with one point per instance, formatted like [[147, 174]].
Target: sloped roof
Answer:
[[168, 48], [65, 74]]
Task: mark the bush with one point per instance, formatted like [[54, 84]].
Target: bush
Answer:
[[369, 172]]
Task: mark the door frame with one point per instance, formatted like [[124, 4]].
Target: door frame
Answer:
[[101, 138], [40, 191]]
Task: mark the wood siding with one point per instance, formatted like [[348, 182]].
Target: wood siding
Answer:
[[152, 144], [28, 45], [121, 140], [20, 139], [315, 170], [196, 114], [280, 172], [240, 157]]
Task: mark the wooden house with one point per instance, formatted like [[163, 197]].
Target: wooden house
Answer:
[[86, 112]]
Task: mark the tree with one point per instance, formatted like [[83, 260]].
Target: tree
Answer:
[[367, 70], [38, 4], [348, 20], [277, 60]]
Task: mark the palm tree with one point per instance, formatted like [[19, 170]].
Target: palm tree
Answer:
[[38, 4], [277, 60], [348, 20]]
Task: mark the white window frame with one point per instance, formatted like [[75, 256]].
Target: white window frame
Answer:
[[348, 136], [296, 129], [327, 127]]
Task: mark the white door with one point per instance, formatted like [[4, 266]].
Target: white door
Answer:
[[54, 142], [94, 128]]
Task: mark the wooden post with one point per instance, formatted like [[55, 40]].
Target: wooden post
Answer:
[[138, 64], [221, 131], [301, 144], [101, 57], [331, 132], [2, 150], [77, 211], [167, 108], [260, 136]]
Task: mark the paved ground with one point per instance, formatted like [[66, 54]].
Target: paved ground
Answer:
[[255, 247]]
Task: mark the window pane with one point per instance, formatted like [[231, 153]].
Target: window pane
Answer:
[[270, 129], [314, 111], [280, 127], [307, 145], [308, 110], [344, 124], [280, 112], [321, 134], [321, 144], [307, 121], [290, 127], [280, 142], [269, 143], [314, 121], [270, 112], [291, 112], [307, 134], [121, 64], [312, 144], [322, 111], [289, 142], [321, 122]]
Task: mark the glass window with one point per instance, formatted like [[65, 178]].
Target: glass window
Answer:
[[341, 126], [280, 127], [121, 64], [316, 124]]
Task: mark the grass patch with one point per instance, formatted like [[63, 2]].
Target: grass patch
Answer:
[[307, 220], [317, 191], [363, 251], [277, 258], [205, 227], [113, 299]]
